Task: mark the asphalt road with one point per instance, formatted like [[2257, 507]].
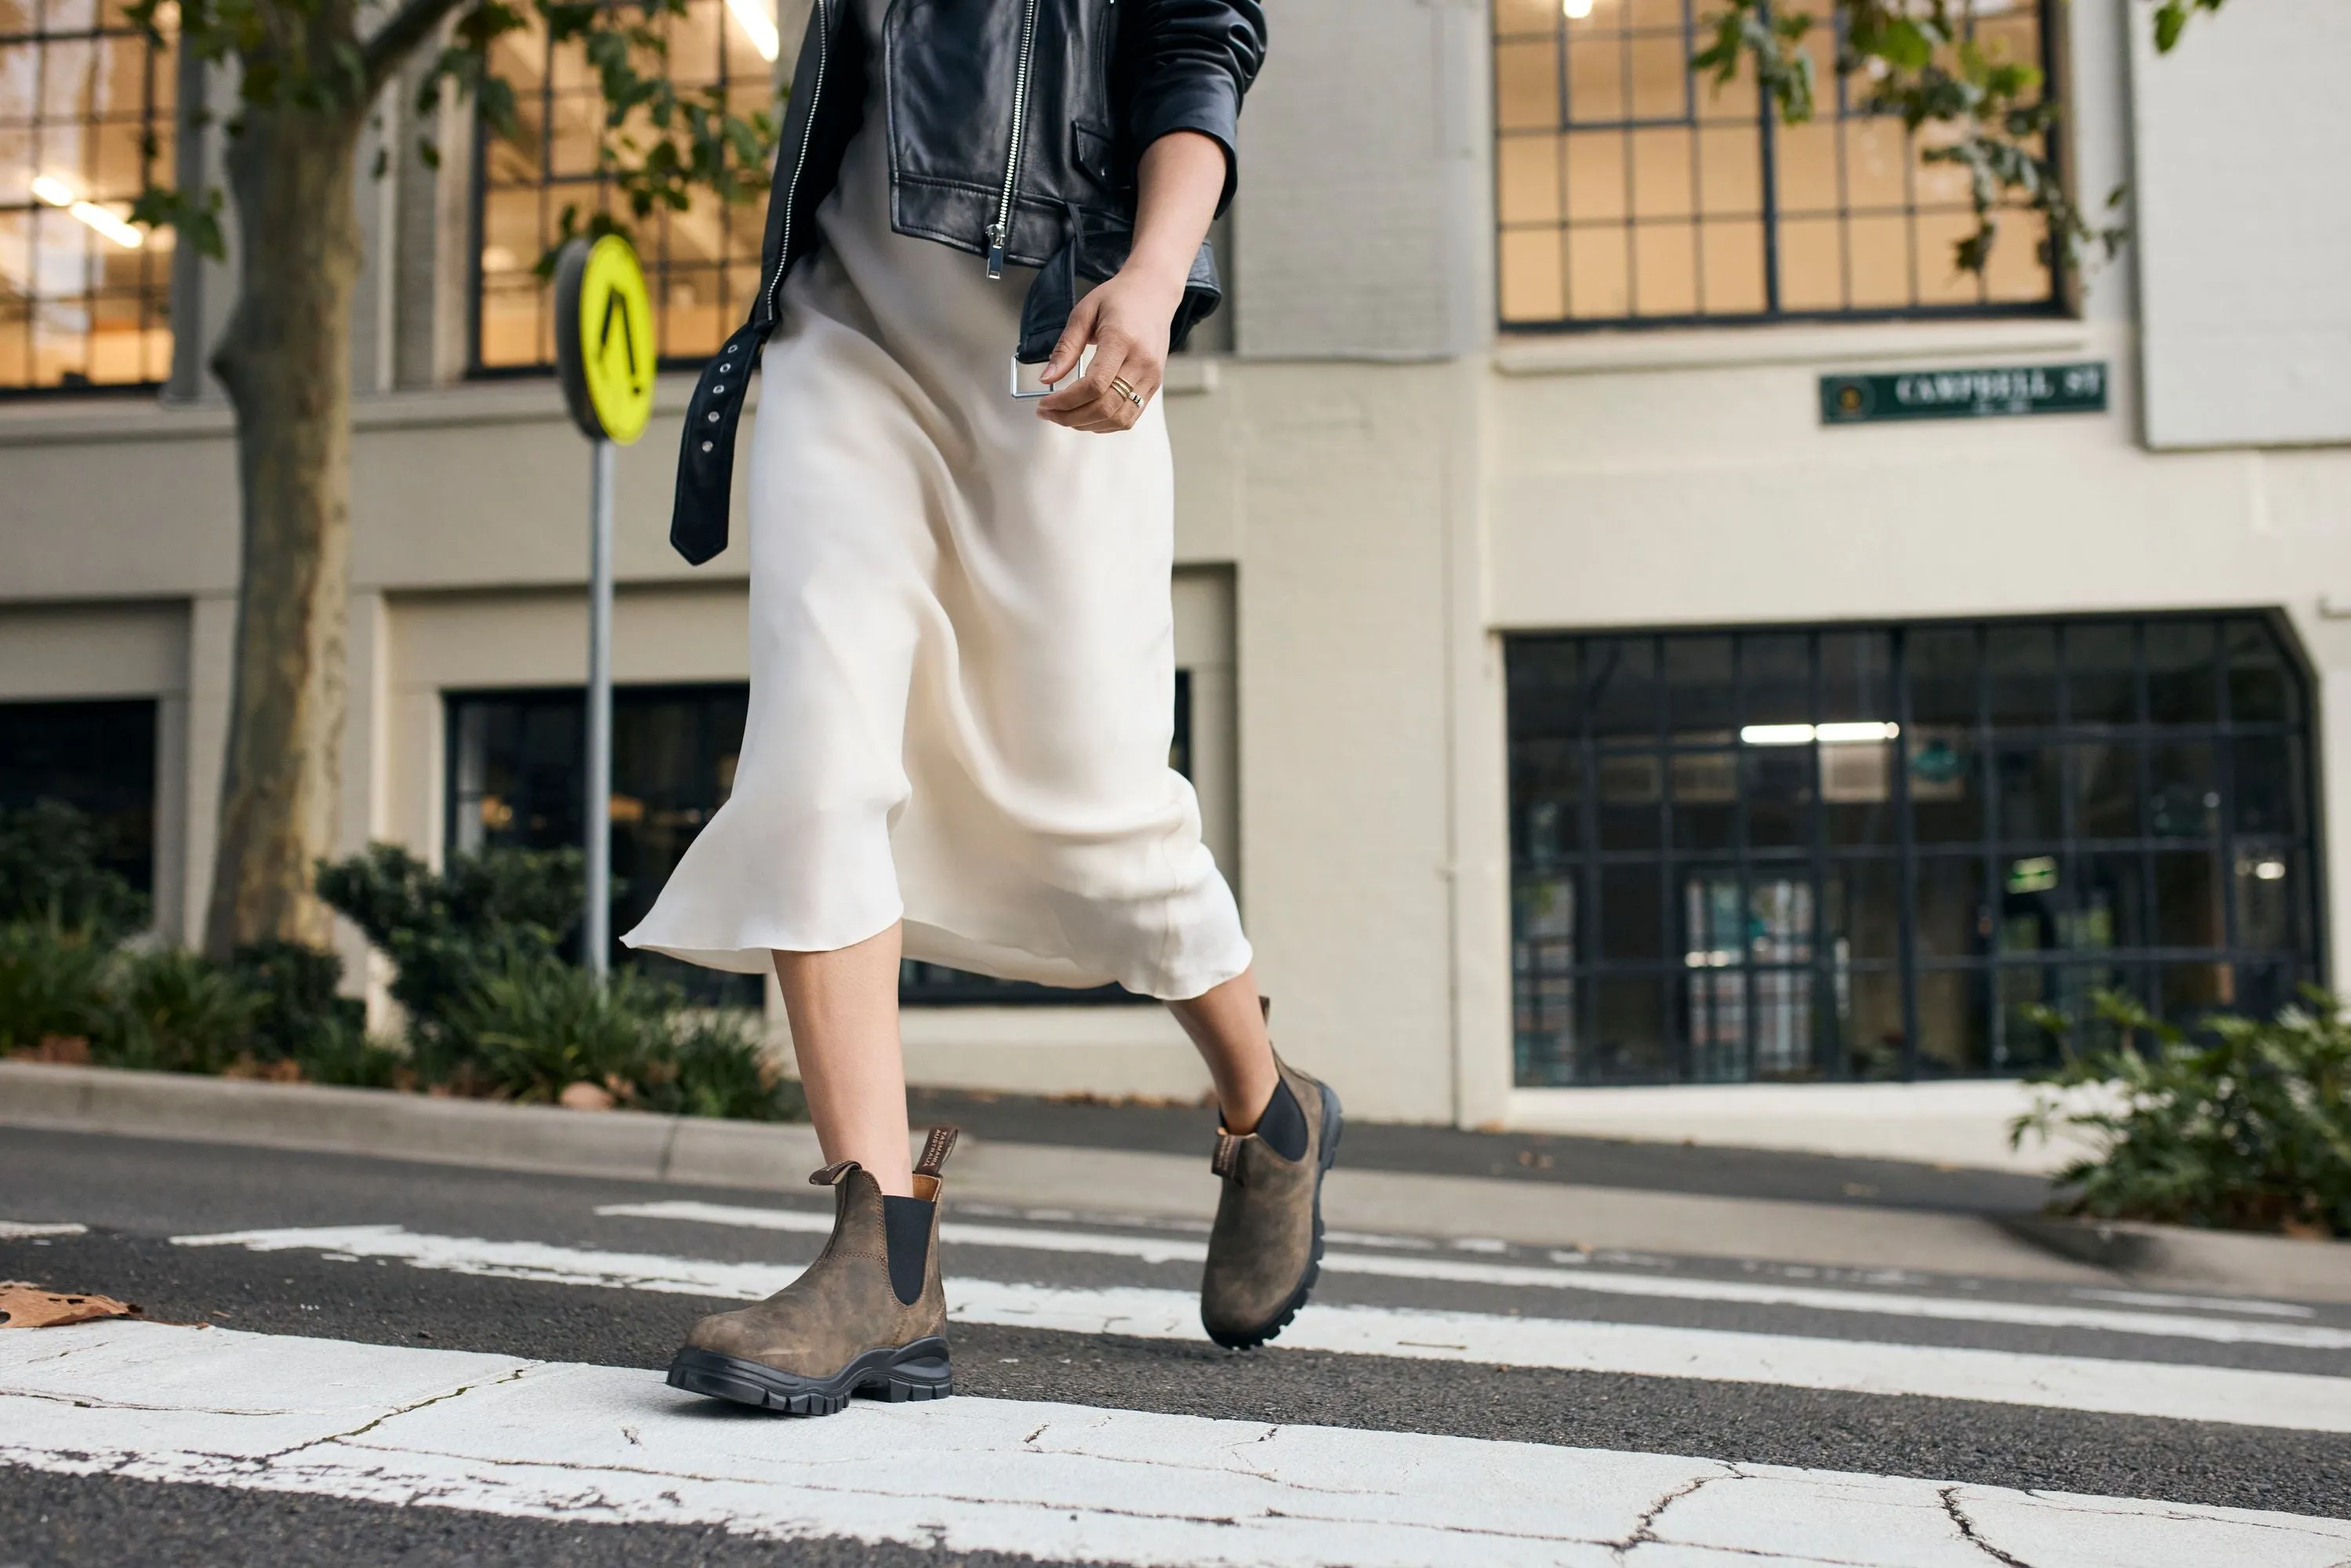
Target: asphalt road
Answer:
[[135, 1196]]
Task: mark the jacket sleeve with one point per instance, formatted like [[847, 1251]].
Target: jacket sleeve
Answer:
[[1197, 59]]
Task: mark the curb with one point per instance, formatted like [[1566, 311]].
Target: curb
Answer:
[[777, 1157], [317, 1118], [2181, 1256]]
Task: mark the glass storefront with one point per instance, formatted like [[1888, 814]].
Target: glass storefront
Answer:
[[1876, 851]]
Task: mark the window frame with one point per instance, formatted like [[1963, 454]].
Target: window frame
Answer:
[[1546, 1055], [159, 273], [2058, 302], [655, 259]]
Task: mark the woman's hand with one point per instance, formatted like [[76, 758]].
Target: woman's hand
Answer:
[[1128, 318]]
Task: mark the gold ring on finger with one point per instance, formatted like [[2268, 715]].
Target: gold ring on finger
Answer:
[[1119, 385]]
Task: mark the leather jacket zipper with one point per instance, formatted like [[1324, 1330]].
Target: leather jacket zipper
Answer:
[[808, 135], [1000, 233]]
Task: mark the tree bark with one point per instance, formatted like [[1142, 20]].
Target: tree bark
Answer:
[[285, 361]]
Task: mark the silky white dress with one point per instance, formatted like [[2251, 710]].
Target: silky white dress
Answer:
[[962, 649]]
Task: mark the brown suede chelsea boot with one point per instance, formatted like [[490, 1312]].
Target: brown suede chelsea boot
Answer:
[[867, 1315], [1267, 1247]]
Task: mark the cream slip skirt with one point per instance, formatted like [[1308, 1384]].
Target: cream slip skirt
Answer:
[[962, 651]]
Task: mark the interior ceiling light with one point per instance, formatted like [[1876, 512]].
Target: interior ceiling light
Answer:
[[759, 27], [1577, 10], [1862, 732], [57, 194]]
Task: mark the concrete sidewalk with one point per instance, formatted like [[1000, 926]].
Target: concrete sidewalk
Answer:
[[698, 1152]]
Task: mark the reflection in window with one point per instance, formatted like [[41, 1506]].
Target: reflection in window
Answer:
[[1875, 852], [517, 765], [86, 112], [702, 265], [1629, 190], [98, 758]]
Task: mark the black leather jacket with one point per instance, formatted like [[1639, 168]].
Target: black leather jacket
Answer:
[[1015, 129]]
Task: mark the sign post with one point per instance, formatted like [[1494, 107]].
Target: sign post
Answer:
[[604, 351]]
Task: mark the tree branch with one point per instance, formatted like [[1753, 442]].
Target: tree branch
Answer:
[[389, 47]]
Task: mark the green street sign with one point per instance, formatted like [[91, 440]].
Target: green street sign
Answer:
[[1976, 393]]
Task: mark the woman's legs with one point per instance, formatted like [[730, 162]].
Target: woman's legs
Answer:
[[1226, 1023], [843, 1008]]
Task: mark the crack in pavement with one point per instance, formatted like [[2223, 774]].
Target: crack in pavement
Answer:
[[1951, 1496], [1645, 1528]]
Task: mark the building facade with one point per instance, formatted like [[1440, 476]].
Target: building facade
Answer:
[[1605, 726]]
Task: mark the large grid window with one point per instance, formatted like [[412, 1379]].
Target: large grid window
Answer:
[[86, 120], [1876, 851], [1630, 191], [517, 771], [702, 265]]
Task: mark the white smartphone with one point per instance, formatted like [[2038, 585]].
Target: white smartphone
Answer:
[[1029, 381]]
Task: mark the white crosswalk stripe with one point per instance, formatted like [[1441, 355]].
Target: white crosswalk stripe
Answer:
[[1884, 1303], [2294, 1401], [500, 1435]]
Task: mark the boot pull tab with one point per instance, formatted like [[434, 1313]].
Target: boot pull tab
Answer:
[[830, 1176], [940, 1144], [1227, 1161]]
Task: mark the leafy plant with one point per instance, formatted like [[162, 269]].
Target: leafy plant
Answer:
[[447, 933], [538, 1026], [51, 870], [175, 1011], [1918, 60], [53, 984], [2245, 1125]]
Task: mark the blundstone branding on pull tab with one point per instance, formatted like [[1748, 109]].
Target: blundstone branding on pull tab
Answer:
[[935, 1149]]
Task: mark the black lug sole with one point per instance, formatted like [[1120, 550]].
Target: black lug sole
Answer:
[[1333, 1124], [895, 1372]]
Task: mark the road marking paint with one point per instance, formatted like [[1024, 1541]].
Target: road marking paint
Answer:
[[2298, 1401], [2198, 1303], [23, 1229], [560, 1441], [1817, 1298]]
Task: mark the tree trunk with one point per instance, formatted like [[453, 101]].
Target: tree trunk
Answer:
[[285, 361]]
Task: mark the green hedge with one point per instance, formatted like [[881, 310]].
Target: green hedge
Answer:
[[492, 1007]]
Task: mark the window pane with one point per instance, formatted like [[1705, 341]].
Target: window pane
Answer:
[[2031, 792], [1666, 257], [2185, 800], [1632, 921], [1951, 906], [2182, 681], [1945, 786], [2270, 899], [1630, 789], [78, 308], [1953, 1036], [2267, 773], [2106, 791], [2022, 667], [2188, 899], [2100, 683], [2262, 690]]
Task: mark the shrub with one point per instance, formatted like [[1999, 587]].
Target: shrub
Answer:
[[50, 870], [538, 1026], [175, 1011], [53, 984], [2245, 1125], [448, 933]]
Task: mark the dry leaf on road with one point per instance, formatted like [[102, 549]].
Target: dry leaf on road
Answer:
[[28, 1306]]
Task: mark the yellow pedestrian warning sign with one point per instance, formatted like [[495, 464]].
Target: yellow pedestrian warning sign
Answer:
[[604, 347]]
